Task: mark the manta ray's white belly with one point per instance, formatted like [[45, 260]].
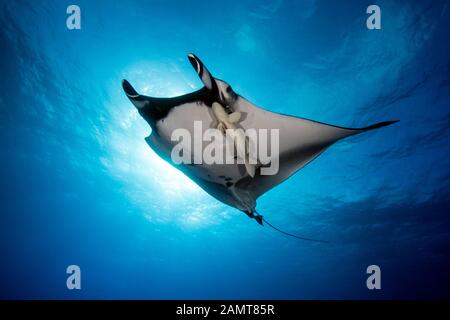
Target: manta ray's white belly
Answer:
[[184, 117]]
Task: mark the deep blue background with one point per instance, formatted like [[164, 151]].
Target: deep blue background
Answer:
[[80, 186]]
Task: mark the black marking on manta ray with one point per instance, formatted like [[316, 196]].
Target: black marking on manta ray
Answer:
[[228, 184], [158, 108]]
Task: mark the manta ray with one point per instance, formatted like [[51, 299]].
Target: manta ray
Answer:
[[217, 105]]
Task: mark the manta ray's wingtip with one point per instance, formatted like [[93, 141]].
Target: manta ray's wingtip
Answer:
[[381, 124], [128, 88]]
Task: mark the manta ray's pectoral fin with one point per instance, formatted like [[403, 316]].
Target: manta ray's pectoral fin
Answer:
[[153, 109], [138, 100], [301, 141], [371, 127]]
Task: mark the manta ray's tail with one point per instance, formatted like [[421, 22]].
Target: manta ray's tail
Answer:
[[259, 218]]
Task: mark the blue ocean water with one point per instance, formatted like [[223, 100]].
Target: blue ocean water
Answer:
[[79, 185]]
